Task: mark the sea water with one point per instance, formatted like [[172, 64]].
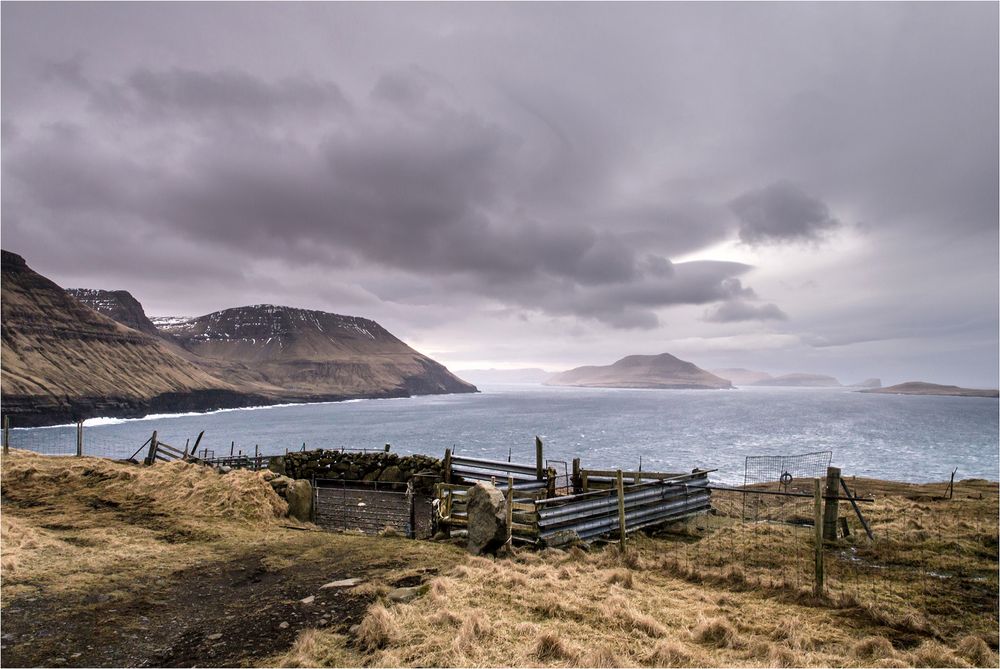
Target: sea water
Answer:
[[900, 437]]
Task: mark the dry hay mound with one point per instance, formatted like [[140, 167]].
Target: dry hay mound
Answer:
[[175, 488]]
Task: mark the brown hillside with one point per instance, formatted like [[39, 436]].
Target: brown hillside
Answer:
[[63, 361]]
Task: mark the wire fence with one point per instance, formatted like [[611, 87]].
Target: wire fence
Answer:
[[108, 441]]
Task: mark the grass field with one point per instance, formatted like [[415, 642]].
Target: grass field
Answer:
[[107, 564]]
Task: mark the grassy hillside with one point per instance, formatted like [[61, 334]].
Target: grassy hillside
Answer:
[[185, 566]]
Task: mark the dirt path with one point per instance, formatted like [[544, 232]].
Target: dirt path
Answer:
[[222, 614]]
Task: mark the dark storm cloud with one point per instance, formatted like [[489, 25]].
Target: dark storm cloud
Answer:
[[416, 184], [781, 212], [736, 311]]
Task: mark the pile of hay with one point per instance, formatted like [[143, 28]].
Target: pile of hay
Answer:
[[163, 489]]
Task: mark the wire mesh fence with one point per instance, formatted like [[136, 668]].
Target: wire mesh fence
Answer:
[[931, 567]]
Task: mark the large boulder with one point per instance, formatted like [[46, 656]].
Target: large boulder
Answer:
[[487, 514], [299, 496]]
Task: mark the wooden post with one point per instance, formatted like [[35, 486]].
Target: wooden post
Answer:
[[584, 483], [577, 482], [850, 498], [550, 488], [539, 462], [832, 503], [510, 508], [6, 435], [818, 520], [620, 484], [79, 438], [447, 465], [951, 484], [151, 456], [232, 445], [196, 442], [387, 448]]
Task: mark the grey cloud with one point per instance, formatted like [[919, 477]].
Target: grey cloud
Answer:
[[454, 158], [736, 311], [781, 212], [227, 94], [424, 190]]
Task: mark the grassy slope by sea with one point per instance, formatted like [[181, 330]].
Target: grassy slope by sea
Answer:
[[107, 564]]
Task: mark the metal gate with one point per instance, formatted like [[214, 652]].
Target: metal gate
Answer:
[[371, 507]]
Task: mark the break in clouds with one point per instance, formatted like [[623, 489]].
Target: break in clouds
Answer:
[[740, 173]]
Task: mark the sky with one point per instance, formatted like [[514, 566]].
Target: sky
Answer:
[[789, 187]]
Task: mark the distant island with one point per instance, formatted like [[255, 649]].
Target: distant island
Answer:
[[522, 375], [800, 381], [923, 388], [641, 371], [740, 376]]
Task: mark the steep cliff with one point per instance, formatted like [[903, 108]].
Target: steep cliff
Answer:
[[312, 354], [63, 361]]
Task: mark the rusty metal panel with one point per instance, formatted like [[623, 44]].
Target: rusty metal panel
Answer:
[[364, 508]]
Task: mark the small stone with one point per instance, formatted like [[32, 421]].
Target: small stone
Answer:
[[322, 622], [213, 637], [283, 625], [403, 595], [308, 600], [343, 583], [353, 629]]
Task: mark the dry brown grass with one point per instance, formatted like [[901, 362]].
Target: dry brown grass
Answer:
[[662, 602]]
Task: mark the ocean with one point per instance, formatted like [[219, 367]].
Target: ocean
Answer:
[[899, 437]]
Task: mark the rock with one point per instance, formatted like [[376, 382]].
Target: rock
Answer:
[[213, 637], [283, 625], [322, 622], [299, 496], [562, 538], [391, 474], [343, 583], [487, 519], [403, 595], [308, 600], [353, 629]]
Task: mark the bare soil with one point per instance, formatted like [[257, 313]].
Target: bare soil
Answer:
[[173, 621]]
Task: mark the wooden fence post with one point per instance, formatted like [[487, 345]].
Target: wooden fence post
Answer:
[[577, 482], [550, 488], [79, 438], [818, 520], [387, 448], [620, 484], [151, 456], [510, 508], [832, 503], [447, 465], [6, 435], [539, 462], [197, 441]]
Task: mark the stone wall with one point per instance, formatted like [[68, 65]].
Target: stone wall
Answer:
[[352, 466]]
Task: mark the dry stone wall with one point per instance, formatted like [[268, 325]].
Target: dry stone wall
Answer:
[[423, 470]]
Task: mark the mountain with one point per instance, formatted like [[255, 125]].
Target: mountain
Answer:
[[800, 381], [641, 371], [740, 376], [869, 383], [118, 305], [923, 388], [63, 361], [313, 354], [524, 375]]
